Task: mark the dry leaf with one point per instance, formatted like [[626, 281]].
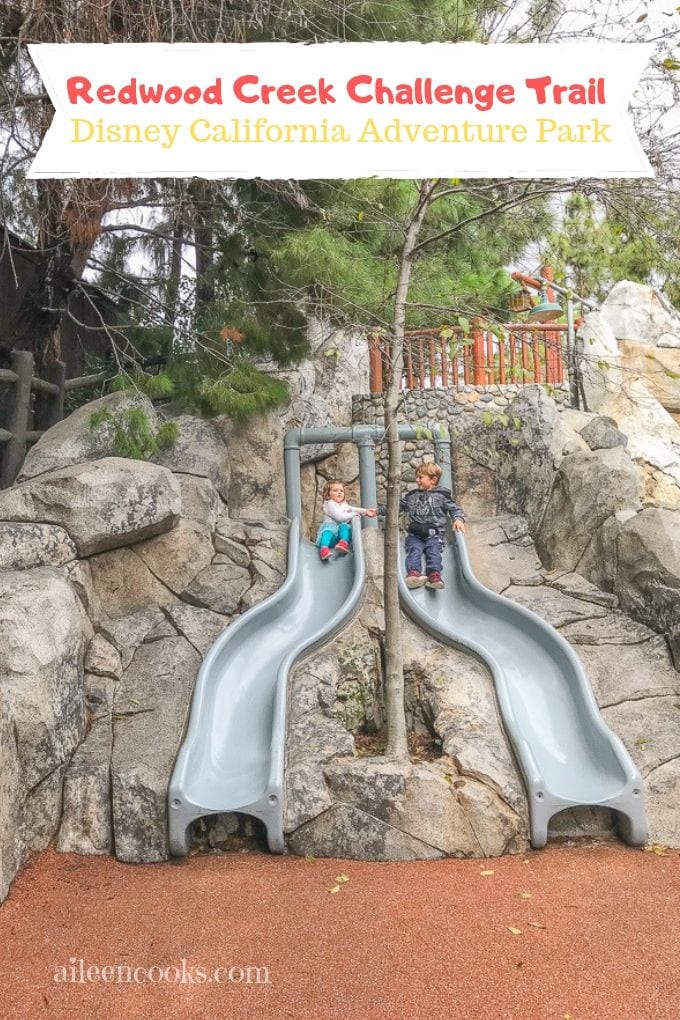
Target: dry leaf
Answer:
[[310, 858], [657, 848], [341, 878], [515, 931], [336, 888], [486, 871], [536, 924], [523, 895]]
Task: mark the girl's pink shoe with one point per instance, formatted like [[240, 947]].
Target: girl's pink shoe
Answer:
[[325, 553], [342, 546]]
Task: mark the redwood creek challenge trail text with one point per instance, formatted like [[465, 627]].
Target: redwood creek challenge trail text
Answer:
[[361, 88]]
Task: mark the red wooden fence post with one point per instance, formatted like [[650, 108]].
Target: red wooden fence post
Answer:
[[375, 364], [478, 357]]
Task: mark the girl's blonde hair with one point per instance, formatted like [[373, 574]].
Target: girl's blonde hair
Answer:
[[329, 485]]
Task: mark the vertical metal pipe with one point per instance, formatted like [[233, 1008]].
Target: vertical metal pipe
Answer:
[[291, 465], [442, 453], [571, 353], [367, 485]]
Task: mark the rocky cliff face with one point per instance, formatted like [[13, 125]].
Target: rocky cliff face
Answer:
[[116, 576]]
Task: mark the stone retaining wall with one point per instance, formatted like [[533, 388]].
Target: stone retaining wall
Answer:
[[439, 405]]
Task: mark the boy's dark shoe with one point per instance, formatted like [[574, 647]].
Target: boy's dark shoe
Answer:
[[415, 580], [325, 553], [434, 580], [342, 547]]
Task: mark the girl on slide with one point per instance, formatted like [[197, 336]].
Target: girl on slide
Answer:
[[336, 530]]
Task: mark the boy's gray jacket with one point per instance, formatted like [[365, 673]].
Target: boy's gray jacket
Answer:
[[428, 510]]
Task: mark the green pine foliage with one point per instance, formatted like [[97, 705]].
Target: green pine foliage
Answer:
[[131, 433]]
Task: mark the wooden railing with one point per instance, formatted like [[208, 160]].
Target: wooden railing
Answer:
[[520, 353], [30, 405]]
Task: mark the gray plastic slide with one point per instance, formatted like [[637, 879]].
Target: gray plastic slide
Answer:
[[567, 754], [233, 756]]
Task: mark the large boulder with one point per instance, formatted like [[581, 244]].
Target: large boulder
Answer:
[[531, 453], [102, 505], [42, 710], [635, 311], [199, 450], [589, 488], [124, 585], [85, 826], [73, 441], [659, 367], [600, 361], [23, 546], [648, 576], [653, 440], [151, 705]]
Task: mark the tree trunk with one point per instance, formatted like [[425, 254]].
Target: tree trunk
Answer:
[[397, 743], [203, 235]]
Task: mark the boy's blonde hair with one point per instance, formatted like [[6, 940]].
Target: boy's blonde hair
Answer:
[[329, 485], [429, 469]]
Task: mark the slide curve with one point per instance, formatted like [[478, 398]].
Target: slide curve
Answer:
[[568, 755], [232, 758]]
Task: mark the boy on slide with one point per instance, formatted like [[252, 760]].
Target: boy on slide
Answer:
[[428, 508]]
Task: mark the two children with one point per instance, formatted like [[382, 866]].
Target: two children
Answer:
[[428, 508]]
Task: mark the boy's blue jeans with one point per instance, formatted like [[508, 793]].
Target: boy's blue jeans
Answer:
[[327, 538], [431, 547]]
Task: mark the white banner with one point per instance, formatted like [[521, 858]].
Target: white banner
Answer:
[[277, 110]]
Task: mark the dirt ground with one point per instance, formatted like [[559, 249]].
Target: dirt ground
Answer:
[[569, 933]]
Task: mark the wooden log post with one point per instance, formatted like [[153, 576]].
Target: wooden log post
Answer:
[[14, 451], [479, 367], [49, 403]]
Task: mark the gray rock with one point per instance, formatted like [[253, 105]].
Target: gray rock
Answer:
[[200, 627], [648, 576], [555, 607], [72, 440], [41, 668], [150, 711], [128, 632], [177, 557], [528, 454], [649, 729], [124, 585], [599, 562], [23, 546], [601, 433], [589, 488], [636, 311], [234, 551], [103, 659], [86, 815], [42, 810], [11, 850], [663, 817], [579, 588], [199, 450], [200, 501], [102, 505], [345, 831], [612, 629], [629, 672], [220, 588]]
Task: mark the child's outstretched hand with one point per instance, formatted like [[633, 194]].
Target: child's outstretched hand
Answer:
[[458, 525], [371, 513]]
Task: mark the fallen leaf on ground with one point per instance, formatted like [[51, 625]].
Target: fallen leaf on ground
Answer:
[[310, 858], [336, 888], [486, 871], [341, 878], [657, 848], [536, 924], [523, 895], [515, 931]]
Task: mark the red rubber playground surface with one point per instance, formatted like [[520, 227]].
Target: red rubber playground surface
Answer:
[[569, 933]]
